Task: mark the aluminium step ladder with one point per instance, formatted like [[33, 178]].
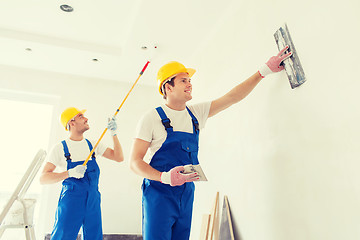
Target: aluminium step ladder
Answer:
[[25, 212]]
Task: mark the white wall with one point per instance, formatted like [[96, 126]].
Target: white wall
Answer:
[[287, 159], [120, 188]]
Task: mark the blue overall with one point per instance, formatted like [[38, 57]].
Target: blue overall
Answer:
[[167, 210], [79, 203]]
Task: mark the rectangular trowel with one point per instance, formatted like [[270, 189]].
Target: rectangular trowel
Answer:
[[292, 65]]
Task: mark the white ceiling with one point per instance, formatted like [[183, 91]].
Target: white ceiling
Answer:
[[112, 31]]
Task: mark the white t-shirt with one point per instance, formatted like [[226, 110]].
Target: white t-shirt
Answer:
[[79, 151], [151, 129]]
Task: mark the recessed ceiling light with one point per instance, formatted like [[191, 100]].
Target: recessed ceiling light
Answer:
[[95, 59], [66, 8]]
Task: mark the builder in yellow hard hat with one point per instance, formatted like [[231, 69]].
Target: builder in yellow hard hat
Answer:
[[79, 203], [171, 132]]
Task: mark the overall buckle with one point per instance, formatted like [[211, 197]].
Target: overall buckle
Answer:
[[166, 122]]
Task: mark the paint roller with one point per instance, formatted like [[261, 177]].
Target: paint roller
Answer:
[[292, 65], [122, 103]]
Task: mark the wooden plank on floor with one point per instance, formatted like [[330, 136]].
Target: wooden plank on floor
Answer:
[[214, 223], [205, 227]]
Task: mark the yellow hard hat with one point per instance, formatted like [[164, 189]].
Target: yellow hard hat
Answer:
[[169, 70], [69, 114]]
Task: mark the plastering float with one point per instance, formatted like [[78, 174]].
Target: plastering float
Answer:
[[293, 67]]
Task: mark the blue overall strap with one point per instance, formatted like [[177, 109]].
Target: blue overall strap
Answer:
[[164, 119], [91, 147], [66, 151], [195, 121]]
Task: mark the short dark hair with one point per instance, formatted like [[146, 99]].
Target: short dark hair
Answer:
[[171, 82]]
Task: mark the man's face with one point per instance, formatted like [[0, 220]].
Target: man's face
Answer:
[[182, 87], [80, 123]]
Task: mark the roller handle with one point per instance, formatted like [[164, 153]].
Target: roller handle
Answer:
[[117, 110]]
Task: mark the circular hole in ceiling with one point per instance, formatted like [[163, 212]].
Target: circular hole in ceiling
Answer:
[[66, 8]]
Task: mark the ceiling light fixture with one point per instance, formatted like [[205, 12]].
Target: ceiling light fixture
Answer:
[[66, 8]]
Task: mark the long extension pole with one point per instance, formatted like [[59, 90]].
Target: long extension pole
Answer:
[[102, 135]]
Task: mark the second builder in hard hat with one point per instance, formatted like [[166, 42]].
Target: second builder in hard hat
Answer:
[[171, 133], [79, 202]]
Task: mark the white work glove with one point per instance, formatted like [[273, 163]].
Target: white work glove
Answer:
[[176, 177], [112, 125], [77, 172], [273, 65]]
